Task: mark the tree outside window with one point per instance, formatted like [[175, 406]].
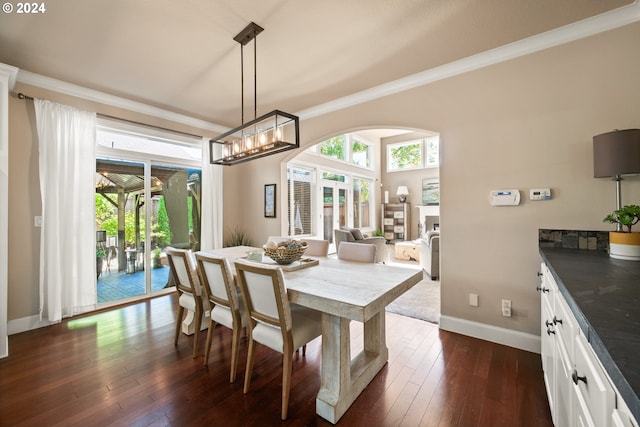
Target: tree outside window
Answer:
[[334, 147], [413, 154], [360, 154], [406, 155]]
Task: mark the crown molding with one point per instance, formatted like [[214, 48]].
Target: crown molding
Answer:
[[38, 80], [594, 25], [11, 72]]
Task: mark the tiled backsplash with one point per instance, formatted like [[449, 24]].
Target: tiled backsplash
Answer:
[[573, 239]]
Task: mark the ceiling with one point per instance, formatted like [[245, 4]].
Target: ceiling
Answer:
[[181, 56]]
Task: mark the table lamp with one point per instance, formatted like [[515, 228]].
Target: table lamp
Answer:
[[402, 193], [615, 154]]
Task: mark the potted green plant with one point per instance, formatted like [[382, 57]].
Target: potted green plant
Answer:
[[624, 244], [157, 260]]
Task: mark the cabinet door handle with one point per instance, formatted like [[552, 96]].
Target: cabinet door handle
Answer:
[[540, 274], [551, 331], [556, 320], [542, 289], [547, 323], [576, 378]]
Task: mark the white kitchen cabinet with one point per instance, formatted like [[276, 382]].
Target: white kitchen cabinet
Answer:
[[579, 390]]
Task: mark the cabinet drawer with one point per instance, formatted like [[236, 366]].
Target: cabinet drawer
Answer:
[[592, 384], [621, 416], [565, 324]]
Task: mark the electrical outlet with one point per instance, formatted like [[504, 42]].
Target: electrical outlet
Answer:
[[37, 221], [473, 300], [506, 307]]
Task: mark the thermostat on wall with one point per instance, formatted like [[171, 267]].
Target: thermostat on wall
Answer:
[[504, 197], [540, 193]]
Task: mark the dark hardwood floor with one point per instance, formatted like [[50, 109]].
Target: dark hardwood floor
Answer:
[[120, 367]]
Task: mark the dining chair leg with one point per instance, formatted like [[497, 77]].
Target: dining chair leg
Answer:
[[249, 369], [304, 350], [178, 323], [235, 344], [207, 346], [196, 332], [287, 364]]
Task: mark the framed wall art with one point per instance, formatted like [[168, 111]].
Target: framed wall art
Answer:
[[431, 192], [270, 201]]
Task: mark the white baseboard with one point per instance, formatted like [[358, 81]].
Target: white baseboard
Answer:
[[516, 339], [26, 324]]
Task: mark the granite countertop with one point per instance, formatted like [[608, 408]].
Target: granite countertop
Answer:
[[604, 295]]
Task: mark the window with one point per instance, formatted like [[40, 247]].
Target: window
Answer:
[[414, 154], [361, 154], [346, 148], [299, 200], [330, 176], [433, 151], [334, 147], [148, 192], [362, 208]]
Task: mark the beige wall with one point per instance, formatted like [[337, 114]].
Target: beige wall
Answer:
[[521, 124]]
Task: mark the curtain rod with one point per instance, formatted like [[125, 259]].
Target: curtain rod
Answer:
[[106, 116]]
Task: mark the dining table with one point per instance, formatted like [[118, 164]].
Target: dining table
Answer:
[[343, 291]]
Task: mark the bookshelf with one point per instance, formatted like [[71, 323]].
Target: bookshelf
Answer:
[[396, 220]]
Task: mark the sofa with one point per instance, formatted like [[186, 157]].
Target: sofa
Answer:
[[355, 235], [430, 254]]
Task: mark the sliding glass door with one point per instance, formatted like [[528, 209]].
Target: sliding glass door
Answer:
[[120, 229], [140, 210], [148, 187]]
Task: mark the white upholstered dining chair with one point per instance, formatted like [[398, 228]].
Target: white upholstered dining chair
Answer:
[[274, 322], [360, 252], [184, 273], [319, 248], [227, 307]]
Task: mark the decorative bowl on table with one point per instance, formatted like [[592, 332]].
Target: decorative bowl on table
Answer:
[[284, 253]]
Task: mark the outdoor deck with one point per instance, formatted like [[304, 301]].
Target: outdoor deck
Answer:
[[114, 285]]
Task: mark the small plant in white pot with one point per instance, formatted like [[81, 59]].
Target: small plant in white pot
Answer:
[[624, 244]]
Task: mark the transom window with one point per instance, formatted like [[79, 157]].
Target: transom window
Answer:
[[346, 148], [415, 154]]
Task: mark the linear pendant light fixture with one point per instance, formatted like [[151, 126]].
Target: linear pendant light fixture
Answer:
[[271, 133]]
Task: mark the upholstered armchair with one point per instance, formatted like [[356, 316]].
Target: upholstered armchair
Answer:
[[356, 236], [430, 254]]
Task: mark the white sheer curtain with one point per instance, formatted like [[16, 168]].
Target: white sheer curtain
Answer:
[[67, 139], [211, 227]]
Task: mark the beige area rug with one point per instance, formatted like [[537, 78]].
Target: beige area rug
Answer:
[[420, 302]]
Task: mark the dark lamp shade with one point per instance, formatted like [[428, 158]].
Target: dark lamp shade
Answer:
[[616, 153]]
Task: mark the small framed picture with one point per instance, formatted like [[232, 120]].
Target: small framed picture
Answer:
[[270, 201]]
